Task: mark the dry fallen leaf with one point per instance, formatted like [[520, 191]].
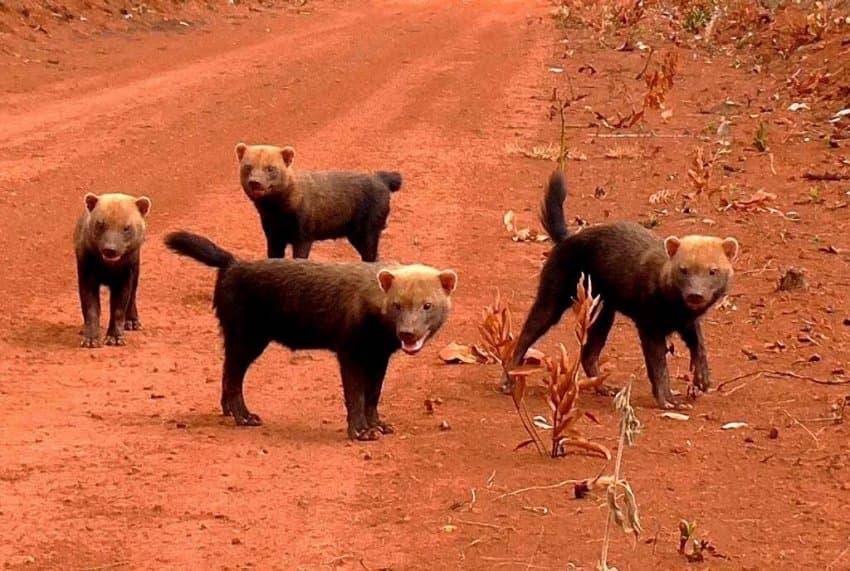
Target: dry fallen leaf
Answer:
[[534, 357], [675, 416], [457, 353], [792, 279], [521, 234], [661, 197], [757, 201], [508, 221]]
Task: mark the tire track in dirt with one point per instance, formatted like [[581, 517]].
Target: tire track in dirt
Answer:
[[212, 483]]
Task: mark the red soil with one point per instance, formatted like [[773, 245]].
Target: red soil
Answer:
[[118, 457]]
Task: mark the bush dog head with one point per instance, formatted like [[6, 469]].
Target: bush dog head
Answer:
[[264, 169], [115, 224], [700, 268], [418, 299]]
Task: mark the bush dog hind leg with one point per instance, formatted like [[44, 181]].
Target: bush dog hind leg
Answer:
[[239, 353], [301, 249], [366, 245]]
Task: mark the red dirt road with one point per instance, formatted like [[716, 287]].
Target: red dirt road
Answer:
[[119, 458]]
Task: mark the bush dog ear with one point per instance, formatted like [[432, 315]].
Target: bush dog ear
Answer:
[[91, 201], [240, 150], [448, 279], [288, 154], [671, 244], [143, 203], [731, 248], [385, 280]]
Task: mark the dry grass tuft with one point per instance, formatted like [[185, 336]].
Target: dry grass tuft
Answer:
[[496, 329], [660, 81], [547, 152], [702, 165], [624, 152], [561, 379]]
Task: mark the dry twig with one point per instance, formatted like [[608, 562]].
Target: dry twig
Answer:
[[630, 521]]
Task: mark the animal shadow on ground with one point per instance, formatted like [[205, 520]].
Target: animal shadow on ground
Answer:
[[274, 429], [36, 333]]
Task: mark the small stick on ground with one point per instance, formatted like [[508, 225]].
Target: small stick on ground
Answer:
[[735, 379], [339, 559], [107, 566], [500, 562], [530, 563], [788, 374], [487, 525], [829, 176], [638, 136], [803, 426], [646, 64], [531, 488], [805, 378], [837, 559]]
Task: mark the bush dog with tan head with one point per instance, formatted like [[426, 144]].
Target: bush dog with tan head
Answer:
[[363, 312], [108, 241], [664, 286], [299, 208]]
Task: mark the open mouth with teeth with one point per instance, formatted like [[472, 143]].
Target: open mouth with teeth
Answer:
[[413, 347], [696, 304], [256, 190], [110, 258]]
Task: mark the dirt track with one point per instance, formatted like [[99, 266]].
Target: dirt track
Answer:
[[119, 457]]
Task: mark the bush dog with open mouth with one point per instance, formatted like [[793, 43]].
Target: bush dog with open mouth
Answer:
[[107, 241], [363, 312], [664, 286], [298, 208]]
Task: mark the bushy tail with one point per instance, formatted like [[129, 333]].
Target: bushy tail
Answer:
[[390, 178], [552, 208], [199, 248]]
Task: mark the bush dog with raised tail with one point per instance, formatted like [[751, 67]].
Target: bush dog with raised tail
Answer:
[[299, 208], [362, 312], [663, 286], [107, 241]]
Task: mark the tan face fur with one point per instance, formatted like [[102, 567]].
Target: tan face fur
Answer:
[[700, 268], [417, 301], [264, 169], [115, 224]]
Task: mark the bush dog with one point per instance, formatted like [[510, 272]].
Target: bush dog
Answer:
[[298, 208], [664, 286], [108, 241], [363, 312]]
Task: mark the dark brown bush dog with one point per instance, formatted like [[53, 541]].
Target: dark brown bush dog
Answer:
[[664, 286], [108, 241], [363, 312], [299, 208]]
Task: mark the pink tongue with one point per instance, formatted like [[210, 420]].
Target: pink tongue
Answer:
[[413, 347]]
